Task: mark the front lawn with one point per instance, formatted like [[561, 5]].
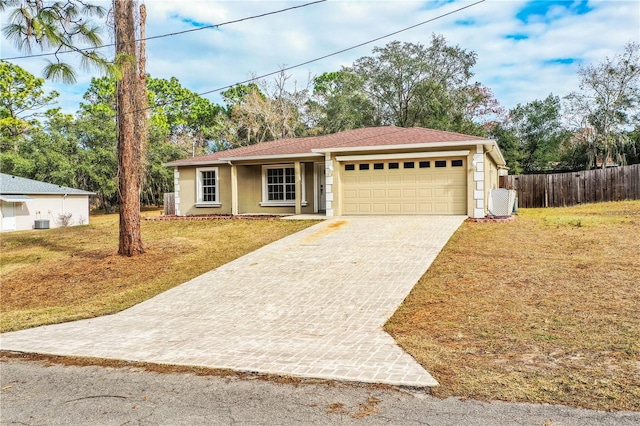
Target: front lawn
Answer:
[[543, 309], [71, 273]]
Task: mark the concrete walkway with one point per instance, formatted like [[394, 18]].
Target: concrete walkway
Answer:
[[310, 305]]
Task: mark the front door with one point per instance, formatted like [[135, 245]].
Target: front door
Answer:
[[321, 193], [8, 217]]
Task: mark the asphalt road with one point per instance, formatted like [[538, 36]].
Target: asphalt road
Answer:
[[42, 393]]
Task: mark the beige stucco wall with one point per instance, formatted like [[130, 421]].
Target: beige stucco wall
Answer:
[[49, 207], [188, 192], [249, 191]]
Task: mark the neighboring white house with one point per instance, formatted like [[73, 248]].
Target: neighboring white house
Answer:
[[31, 204]]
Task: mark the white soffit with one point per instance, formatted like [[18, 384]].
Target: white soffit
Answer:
[[14, 198], [402, 155]]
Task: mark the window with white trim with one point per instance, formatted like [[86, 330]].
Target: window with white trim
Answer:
[[208, 188], [279, 185]]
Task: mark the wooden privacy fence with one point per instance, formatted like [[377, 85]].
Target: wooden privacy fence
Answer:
[[569, 189]]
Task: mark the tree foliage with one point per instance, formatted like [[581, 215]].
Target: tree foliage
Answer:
[[64, 26], [607, 105], [406, 84], [22, 99], [533, 138], [263, 111]]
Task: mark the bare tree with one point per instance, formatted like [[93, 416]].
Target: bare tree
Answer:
[[607, 105], [264, 110]]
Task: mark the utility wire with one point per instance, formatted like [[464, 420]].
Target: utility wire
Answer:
[[161, 104], [171, 34], [338, 52]]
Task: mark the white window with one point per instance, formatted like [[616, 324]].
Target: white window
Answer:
[[279, 185], [208, 187]]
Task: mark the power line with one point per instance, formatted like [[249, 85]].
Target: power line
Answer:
[[172, 34], [340, 51], [161, 104]]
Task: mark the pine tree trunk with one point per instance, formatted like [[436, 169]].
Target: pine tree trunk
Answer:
[[130, 140]]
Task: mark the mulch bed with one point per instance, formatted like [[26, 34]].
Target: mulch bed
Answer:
[[492, 219], [211, 217]]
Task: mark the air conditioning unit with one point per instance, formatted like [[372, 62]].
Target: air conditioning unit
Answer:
[[501, 202], [41, 224]]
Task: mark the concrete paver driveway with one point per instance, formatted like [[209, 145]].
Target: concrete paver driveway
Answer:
[[311, 305]]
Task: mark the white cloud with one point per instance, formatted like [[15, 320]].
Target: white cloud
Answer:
[[518, 71]]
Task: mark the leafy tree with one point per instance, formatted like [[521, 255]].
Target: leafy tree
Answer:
[[340, 103], [21, 99], [510, 146], [188, 118], [62, 26], [410, 84], [607, 105], [534, 136], [538, 125], [632, 149], [97, 138]]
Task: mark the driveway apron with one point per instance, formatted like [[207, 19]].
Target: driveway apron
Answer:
[[312, 304]]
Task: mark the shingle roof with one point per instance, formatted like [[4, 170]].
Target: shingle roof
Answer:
[[358, 138], [17, 185]]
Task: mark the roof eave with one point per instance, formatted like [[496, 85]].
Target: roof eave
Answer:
[[192, 163], [273, 157], [497, 154], [420, 145]]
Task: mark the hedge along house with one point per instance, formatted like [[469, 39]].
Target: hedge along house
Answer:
[[28, 204], [367, 171]]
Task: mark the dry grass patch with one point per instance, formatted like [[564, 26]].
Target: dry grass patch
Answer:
[[71, 273], [543, 309]]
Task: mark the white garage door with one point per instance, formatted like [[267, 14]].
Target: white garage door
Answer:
[[407, 186]]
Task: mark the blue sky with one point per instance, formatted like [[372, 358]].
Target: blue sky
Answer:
[[526, 49]]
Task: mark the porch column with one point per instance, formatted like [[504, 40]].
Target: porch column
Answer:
[[328, 184], [478, 179], [176, 190], [234, 190], [298, 178]]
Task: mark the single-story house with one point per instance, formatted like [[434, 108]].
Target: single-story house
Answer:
[[369, 171], [31, 204]]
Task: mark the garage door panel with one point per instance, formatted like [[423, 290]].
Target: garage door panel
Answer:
[[394, 208], [409, 179], [379, 208], [350, 194], [380, 193], [409, 194], [364, 179], [364, 193], [424, 178], [379, 179], [409, 208], [418, 190], [441, 208], [394, 193], [440, 192], [425, 208], [425, 193]]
